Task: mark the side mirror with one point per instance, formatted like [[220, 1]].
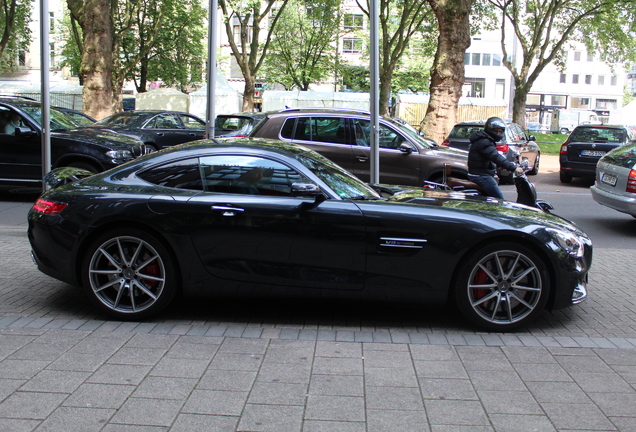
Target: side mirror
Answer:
[[405, 148], [305, 189], [24, 131], [532, 138]]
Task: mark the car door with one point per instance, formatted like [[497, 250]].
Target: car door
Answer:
[[20, 153], [328, 135], [246, 226], [396, 166], [194, 128], [164, 130]]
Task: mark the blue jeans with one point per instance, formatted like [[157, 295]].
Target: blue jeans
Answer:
[[488, 184]]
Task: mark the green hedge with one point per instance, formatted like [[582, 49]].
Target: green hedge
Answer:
[[549, 143]]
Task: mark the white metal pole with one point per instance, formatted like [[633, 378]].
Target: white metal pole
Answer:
[[374, 70], [212, 43], [46, 100]]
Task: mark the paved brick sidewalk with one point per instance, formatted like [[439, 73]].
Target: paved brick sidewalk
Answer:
[[289, 365]]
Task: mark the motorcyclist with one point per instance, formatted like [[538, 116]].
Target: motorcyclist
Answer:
[[483, 157]]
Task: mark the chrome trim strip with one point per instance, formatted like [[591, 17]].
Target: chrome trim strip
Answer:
[[399, 242]]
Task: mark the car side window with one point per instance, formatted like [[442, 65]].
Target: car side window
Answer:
[[191, 122], [167, 121], [183, 174], [389, 139], [249, 175], [329, 129], [9, 121]]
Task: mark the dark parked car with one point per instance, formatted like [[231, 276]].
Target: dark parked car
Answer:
[[236, 125], [250, 216], [156, 129], [343, 136], [516, 146], [21, 144], [615, 185], [586, 145], [81, 118]]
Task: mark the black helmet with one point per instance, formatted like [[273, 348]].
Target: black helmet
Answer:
[[495, 127]]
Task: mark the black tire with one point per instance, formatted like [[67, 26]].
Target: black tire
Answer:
[[146, 270], [564, 177], [85, 165], [535, 167], [150, 148], [489, 294]]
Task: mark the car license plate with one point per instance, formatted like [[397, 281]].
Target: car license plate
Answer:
[[592, 153], [608, 179]]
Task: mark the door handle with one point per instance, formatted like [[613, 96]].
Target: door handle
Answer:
[[159, 133], [227, 210], [362, 158]]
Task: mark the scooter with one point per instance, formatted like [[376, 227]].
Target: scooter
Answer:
[[526, 191]]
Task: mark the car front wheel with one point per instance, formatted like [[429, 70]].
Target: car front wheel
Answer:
[[129, 274], [502, 286]]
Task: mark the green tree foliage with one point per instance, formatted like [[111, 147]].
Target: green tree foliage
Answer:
[[356, 78], [544, 29], [163, 42], [243, 20], [399, 21], [15, 35], [303, 47]]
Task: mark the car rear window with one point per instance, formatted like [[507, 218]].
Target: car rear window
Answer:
[[232, 123], [598, 135], [624, 156], [464, 131]]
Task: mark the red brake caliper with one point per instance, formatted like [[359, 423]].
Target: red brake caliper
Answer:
[[480, 278]]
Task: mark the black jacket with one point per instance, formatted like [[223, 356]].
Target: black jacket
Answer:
[[483, 157]]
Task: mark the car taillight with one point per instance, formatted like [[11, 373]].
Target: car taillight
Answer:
[[631, 182], [48, 207], [502, 147], [564, 148], [240, 136], [446, 143]]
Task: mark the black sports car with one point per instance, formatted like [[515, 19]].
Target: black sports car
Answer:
[[156, 129], [244, 214]]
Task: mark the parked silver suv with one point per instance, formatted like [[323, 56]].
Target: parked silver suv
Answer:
[[343, 136]]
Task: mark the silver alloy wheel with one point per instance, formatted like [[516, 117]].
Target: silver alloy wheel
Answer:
[[504, 287], [127, 274]]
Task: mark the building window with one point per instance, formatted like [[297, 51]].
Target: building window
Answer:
[[590, 57], [485, 60], [500, 88], [476, 59], [236, 30], [614, 80], [466, 58], [562, 78], [52, 53], [588, 79], [581, 102], [601, 80], [51, 22], [575, 79], [496, 60], [607, 104], [577, 55], [352, 46], [474, 87], [353, 21]]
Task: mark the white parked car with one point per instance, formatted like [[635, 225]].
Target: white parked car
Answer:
[[615, 185]]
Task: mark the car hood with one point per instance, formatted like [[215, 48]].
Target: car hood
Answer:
[[507, 213], [98, 137]]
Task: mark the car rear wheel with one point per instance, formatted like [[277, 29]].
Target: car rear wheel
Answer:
[[502, 286], [129, 274], [564, 177]]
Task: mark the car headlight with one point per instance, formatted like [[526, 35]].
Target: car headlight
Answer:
[[568, 242], [119, 154]]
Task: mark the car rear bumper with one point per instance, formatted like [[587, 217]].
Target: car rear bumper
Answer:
[[577, 169], [614, 201]]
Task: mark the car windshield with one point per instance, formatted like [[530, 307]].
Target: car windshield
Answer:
[[228, 123], [58, 121], [598, 135], [340, 181], [411, 132], [122, 119]]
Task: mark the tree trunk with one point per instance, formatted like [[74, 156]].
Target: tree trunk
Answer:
[[447, 74], [97, 59], [248, 93]]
